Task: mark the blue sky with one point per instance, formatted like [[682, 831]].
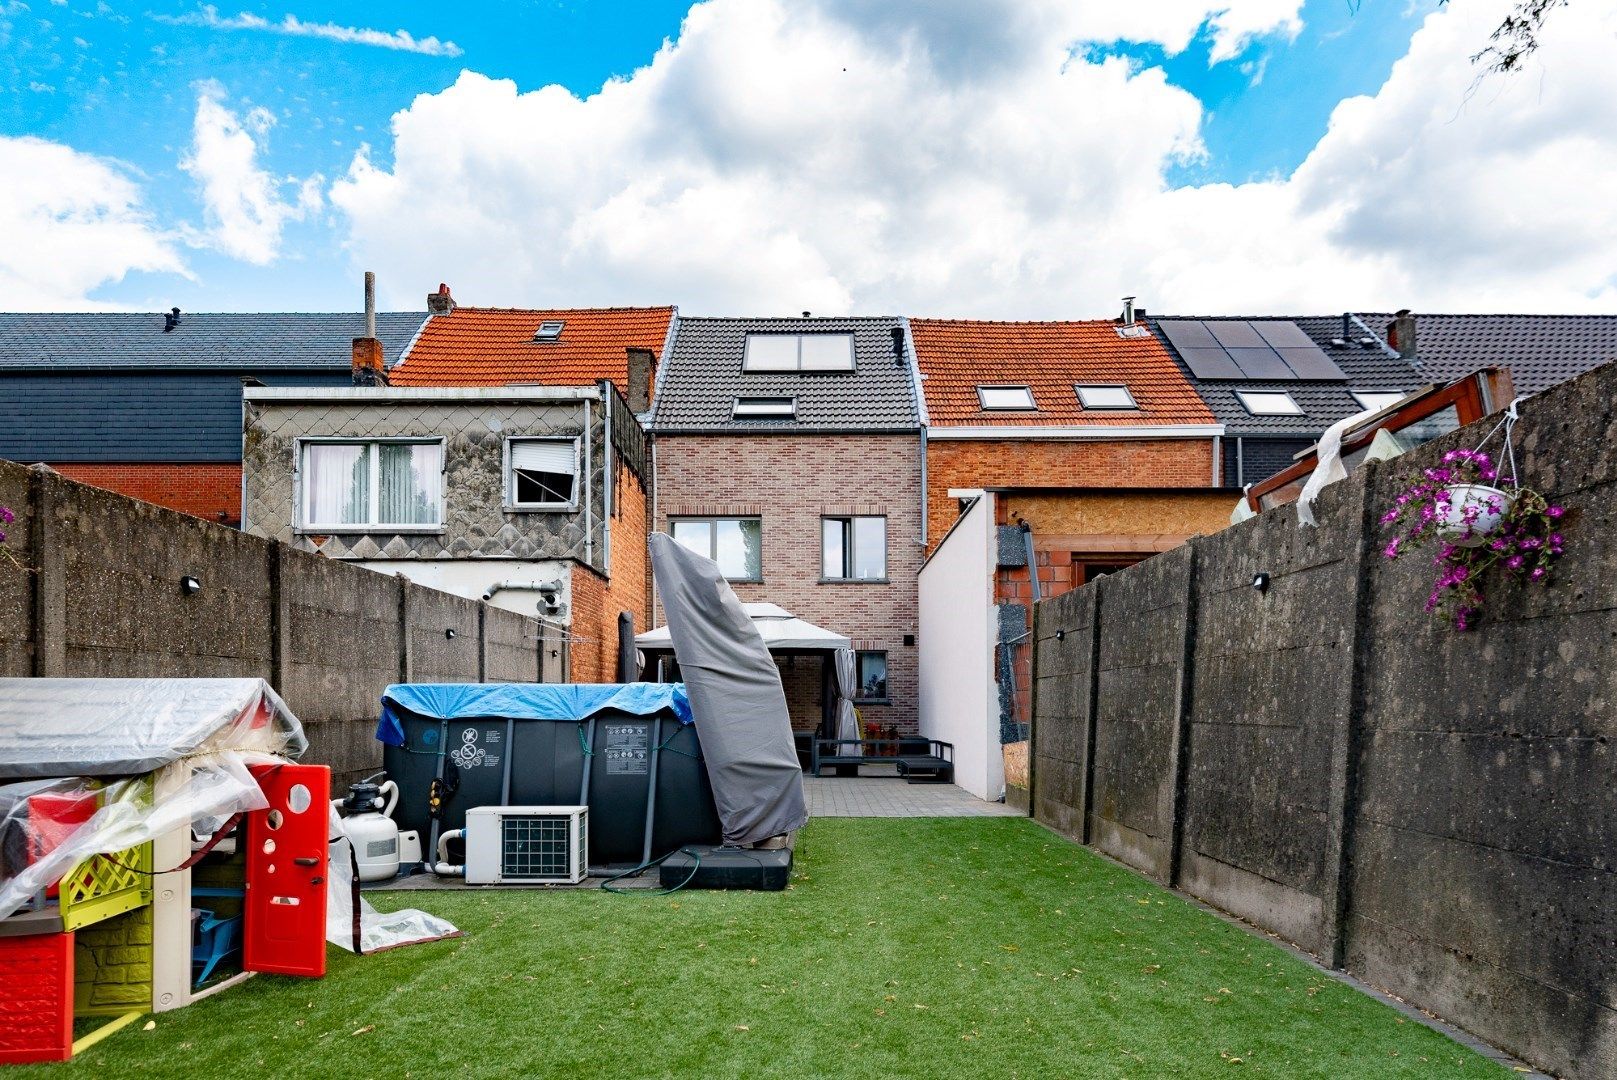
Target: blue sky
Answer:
[[121, 81]]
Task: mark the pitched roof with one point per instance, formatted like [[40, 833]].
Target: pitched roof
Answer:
[[699, 382], [1369, 366], [101, 341], [496, 346], [1539, 350], [957, 356]]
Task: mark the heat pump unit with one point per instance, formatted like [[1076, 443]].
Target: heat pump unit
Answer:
[[527, 845]]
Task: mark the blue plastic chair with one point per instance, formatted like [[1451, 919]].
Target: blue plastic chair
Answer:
[[217, 940]]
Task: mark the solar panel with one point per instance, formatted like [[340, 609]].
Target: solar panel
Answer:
[[1237, 349]]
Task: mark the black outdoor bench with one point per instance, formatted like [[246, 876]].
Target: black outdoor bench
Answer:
[[918, 760]]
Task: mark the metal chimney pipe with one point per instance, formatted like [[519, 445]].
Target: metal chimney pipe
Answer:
[[370, 303], [1128, 311]]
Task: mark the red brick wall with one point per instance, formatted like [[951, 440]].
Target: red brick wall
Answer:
[[206, 490], [974, 463], [597, 600], [790, 481]]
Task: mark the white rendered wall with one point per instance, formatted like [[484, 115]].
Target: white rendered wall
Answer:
[[959, 702], [470, 577]]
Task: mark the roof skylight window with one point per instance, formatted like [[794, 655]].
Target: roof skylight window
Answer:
[[1006, 398], [764, 408], [1105, 397], [798, 352], [1378, 399], [1268, 403], [549, 330]]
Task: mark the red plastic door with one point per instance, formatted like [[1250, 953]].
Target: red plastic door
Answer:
[[284, 915]]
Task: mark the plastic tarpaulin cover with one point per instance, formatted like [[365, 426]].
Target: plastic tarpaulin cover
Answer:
[[735, 695], [526, 701], [182, 747], [122, 727], [188, 740]]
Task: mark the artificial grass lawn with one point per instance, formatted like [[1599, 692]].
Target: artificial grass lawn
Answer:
[[906, 947]]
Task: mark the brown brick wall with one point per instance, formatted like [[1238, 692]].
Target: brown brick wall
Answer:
[[210, 491], [597, 600], [1136, 463], [791, 481]]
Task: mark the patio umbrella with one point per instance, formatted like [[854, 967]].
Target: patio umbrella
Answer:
[[736, 698]]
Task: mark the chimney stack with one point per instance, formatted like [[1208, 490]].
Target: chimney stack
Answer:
[[366, 365], [440, 302], [639, 392], [1128, 317], [1401, 334]]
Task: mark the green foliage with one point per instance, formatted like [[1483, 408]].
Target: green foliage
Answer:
[[906, 947]]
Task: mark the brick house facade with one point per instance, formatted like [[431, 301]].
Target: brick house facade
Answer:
[[786, 432], [791, 483]]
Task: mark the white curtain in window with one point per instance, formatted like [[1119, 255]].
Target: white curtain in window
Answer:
[[847, 715], [336, 484], [407, 483]]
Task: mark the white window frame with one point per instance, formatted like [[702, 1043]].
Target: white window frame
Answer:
[[554, 328], [982, 399], [748, 366], [849, 559], [1079, 389], [1244, 395], [511, 506], [372, 526], [1392, 397], [749, 408], [712, 520]]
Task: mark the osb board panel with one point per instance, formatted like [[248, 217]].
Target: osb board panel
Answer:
[[1175, 513]]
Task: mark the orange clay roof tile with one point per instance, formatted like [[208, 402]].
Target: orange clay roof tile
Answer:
[[1049, 358], [495, 347]]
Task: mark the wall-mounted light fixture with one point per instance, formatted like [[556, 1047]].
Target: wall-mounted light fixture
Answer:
[[1260, 581], [450, 633], [190, 586]]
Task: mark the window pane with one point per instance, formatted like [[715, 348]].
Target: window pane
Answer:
[[1005, 397], [834, 548], [1441, 422], [739, 548], [1378, 400], [773, 407], [336, 484], [872, 676], [1268, 403], [543, 472], [1105, 397], [407, 483], [771, 352], [696, 535], [869, 548], [827, 352]]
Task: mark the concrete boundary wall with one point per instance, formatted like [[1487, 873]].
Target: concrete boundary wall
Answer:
[[90, 586], [1434, 811]]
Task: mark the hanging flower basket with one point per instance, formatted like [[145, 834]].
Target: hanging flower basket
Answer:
[[1477, 520], [1470, 513]]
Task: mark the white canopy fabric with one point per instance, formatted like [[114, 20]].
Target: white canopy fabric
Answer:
[[780, 629]]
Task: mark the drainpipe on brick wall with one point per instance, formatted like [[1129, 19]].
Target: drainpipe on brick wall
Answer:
[[1032, 561], [923, 493], [607, 481], [589, 486]]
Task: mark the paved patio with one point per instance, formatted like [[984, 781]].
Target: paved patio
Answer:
[[881, 796]]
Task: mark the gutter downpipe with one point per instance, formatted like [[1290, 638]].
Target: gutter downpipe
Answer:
[[1032, 562], [589, 485], [607, 484], [656, 488]]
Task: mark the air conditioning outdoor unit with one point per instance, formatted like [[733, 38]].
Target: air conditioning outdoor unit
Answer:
[[528, 845]]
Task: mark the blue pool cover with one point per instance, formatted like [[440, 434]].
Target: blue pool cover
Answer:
[[571, 702]]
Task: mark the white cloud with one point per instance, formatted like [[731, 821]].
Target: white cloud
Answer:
[[244, 206], [969, 157], [292, 26], [72, 223]]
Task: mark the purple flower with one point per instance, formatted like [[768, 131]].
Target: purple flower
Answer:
[[1391, 550], [1555, 511], [6, 516], [1514, 562], [1538, 573]]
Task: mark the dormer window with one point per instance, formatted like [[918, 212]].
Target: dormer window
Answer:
[[1105, 397], [1005, 398], [798, 352], [764, 408], [549, 330]]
